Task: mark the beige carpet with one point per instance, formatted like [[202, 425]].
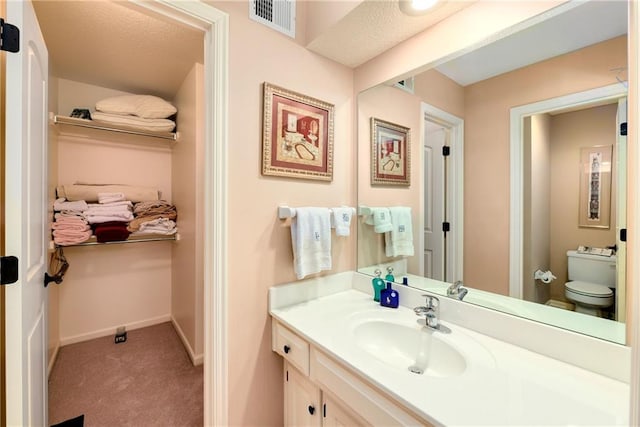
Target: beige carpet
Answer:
[[146, 381]]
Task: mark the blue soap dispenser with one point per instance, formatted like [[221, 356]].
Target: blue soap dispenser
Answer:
[[378, 285], [389, 297]]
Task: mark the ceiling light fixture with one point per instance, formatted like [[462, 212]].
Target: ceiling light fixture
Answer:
[[416, 7]]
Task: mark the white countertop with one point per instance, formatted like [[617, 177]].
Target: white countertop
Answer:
[[502, 385]]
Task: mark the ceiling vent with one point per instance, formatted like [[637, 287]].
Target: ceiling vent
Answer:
[[277, 14], [406, 84]]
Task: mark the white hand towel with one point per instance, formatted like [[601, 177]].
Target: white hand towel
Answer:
[[62, 205], [110, 197], [399, 241], [311, 241], [380, 218], [341, 220]]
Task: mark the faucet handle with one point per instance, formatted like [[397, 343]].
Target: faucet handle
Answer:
[[432, 302]]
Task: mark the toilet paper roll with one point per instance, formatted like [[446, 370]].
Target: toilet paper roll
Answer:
[[545, 277]]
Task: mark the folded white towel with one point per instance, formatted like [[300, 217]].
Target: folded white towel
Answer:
[[62, 205], [399, 241], [133, 122], [107, 210], [311, 241], [380, 218], [99, 219], [341, 220], [158, 226], [110, 197]]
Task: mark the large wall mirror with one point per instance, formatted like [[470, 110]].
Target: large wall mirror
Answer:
[[516, 171]]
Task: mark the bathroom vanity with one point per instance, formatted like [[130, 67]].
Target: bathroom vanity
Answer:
[[347, 362]]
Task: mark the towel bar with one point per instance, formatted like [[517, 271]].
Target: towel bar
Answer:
[[287, 212]]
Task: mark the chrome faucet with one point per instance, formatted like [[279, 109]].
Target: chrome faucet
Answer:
[[430, 312], [457, 290]]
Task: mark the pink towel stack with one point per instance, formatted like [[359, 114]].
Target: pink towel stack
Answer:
[[70, 229]]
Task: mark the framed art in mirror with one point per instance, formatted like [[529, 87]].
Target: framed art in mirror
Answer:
[[390, 153], [595, 187], [297, 139]]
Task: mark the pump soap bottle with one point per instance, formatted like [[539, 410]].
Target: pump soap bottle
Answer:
[[389, 277], [389, 297], [378, 285]]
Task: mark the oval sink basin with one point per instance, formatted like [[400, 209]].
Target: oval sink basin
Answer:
[[418, 349]]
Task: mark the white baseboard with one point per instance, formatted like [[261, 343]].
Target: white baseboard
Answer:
[[196, 359], [112, 330], [52, 360]]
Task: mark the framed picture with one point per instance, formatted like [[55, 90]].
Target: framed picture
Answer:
[[297, 139], [595, 187], [390, 153]]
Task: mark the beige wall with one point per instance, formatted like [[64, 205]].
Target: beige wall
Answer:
[[402, 108], [440, 91], [259, 251], [537, 177], [569, 133], [487, 106], [187, 165]]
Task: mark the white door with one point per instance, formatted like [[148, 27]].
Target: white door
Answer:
[[435, 138], [26, 225]]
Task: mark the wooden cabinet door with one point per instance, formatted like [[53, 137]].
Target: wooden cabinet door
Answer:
[[335, 415], [301, 399]]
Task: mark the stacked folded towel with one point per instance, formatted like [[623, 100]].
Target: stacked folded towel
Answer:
[[106, 212], [158, 226], [111, 231], [70, 229], [150, 211], [144, 112], [62, 205]]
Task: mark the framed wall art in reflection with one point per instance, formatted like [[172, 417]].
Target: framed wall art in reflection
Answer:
[[595, 187], [390, 153], [297, 139]]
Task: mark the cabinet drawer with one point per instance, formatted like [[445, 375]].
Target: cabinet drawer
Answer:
[[367, 402], [290, 346]]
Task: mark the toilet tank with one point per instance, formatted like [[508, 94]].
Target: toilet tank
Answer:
[[592, 268]]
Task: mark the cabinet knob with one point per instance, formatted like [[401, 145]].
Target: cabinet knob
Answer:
[[312, 409], [287, 349]]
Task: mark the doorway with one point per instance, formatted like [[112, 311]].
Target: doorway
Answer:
[[214, 26], [441, 245]]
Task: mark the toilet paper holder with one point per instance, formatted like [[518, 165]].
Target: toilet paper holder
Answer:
[[544, 276]]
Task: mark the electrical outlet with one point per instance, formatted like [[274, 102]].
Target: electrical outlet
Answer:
[[121, 335]]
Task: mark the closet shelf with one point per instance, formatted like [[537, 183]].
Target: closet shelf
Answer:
[[136, 239], [72, 121]]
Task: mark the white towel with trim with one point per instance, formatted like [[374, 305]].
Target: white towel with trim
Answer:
[[76, 206], [341, 220], [380, 218], [399, 241], [311, 241], [110, 197]]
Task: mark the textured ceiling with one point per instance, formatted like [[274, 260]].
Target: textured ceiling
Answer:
[[583, 25], [109, 44], [374, 27]]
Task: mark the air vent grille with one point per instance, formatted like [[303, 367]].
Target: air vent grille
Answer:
[[277, 14]]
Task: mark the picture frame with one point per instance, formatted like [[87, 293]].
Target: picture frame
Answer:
[[390, 153], [595, 187], [297, 137]]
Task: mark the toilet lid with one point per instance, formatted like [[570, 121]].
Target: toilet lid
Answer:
[[587, 288]]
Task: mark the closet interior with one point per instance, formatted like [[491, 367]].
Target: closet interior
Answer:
[[99, 50]]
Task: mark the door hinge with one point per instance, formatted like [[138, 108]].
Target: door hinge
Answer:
[[324, 410], [446, 227], [287, 375], [9, 37], [623, 234], [623, 129], [446, 150], [8, 270]]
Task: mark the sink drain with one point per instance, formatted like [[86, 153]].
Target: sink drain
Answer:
[[416, 369]]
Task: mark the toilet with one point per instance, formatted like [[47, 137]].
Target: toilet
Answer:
[[591, 279]]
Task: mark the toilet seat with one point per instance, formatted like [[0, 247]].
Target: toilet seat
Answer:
[[589, 289], [588, 294]]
